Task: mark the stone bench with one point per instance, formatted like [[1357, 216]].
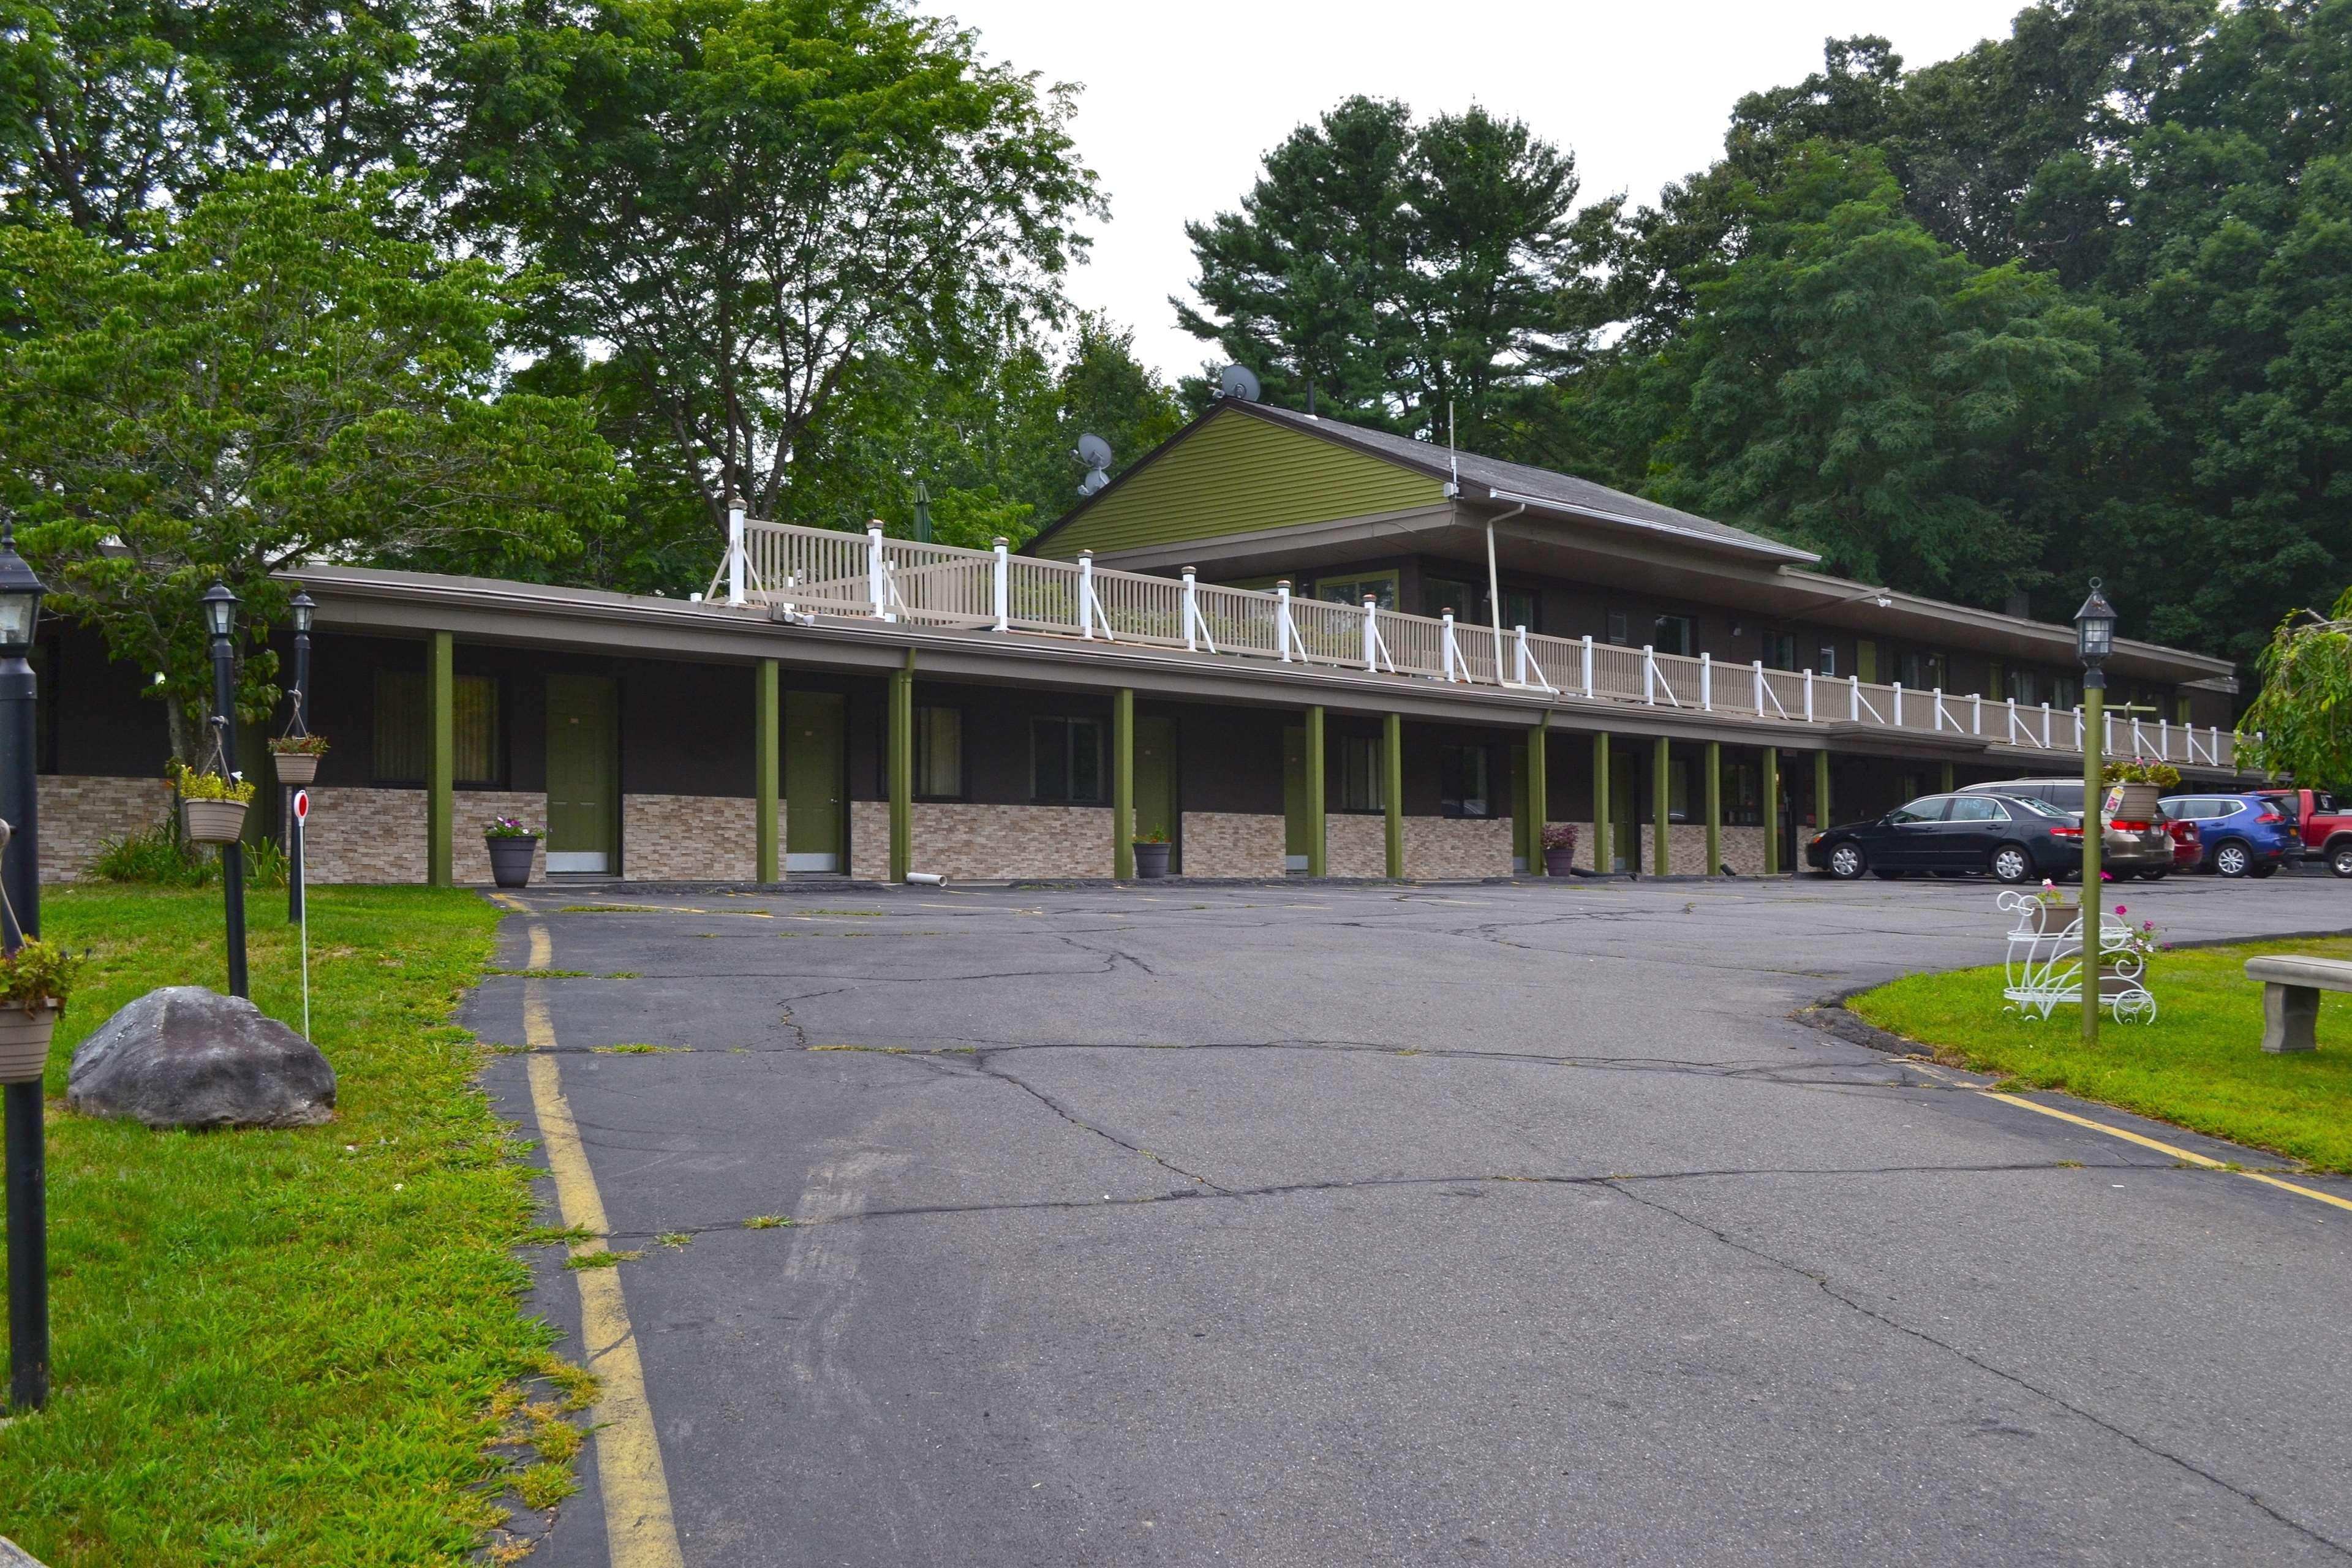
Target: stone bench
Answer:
[[2290, 988]]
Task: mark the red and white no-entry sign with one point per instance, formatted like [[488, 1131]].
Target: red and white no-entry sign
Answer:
[[302, 805]]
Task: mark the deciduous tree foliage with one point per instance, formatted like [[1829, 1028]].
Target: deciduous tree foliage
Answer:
[[266, 379], [741, 203]]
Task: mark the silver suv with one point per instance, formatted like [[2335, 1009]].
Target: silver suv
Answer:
[[2137, 840]]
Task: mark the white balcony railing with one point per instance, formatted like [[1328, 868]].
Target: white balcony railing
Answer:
[[818, 572]]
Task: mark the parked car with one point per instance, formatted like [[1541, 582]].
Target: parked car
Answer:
[[2240, 835], [2136, 841], [2188, 847], [2320, 827], [2013, 838]]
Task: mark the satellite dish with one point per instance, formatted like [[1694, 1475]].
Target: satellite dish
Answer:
[[1093, 452], [1096, 479], [1239, 381]]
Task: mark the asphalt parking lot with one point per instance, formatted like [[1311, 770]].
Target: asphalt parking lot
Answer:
[[1317, 1225]]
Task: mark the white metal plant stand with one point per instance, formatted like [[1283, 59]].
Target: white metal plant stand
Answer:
[[2045, 967]]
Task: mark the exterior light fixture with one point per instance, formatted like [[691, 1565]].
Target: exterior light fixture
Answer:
[[220, 610], [2094, 629], [20, 598]]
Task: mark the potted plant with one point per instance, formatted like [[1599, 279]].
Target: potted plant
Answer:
[[35, 982], [297, 758], [212, 805], [513, 848], [1559, 848], [1151, 851]]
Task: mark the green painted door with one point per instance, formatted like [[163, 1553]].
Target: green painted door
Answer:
[[816, 812], [1155, 779], [1297, 834], [584, 771]]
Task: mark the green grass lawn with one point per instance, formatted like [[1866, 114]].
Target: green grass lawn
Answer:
[[280, 1347], [2201, 1065]]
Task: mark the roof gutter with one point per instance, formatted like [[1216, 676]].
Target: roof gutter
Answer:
[[1771, 551]]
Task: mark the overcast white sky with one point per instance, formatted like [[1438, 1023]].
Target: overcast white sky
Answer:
[[1181, 101]]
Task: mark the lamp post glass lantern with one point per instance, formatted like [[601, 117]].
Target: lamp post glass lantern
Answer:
[[20, 875], [220, 619], [2095, 639]]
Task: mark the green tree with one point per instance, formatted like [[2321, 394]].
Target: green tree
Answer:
[[2300, 726], [1404, 268], [266, 379], [747, 205]]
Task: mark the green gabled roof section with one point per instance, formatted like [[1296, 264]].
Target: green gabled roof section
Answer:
[[1231, 472]]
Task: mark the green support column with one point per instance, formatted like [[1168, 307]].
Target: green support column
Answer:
[[901, 749], [1393, 790], [441, 785], [1821, 791], [1604, 843], [1661, 831], [1316, 826], [1771, 811], [1714, 807], [1538, 792], [767, 699], [1947, 786], [1122, 784]]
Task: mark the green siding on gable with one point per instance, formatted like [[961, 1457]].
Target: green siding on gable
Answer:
[[1238, 474]]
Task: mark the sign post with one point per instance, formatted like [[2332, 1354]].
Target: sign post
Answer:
[[301, 904]]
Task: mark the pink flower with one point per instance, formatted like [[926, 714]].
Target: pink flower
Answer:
[[2107, 876], [2119, 909]]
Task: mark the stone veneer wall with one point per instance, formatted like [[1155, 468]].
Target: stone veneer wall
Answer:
[[1743, 850], [870, 841], [378, 835], [690, 838], [1358, 846], [985, 842], [1233, 844], [1450, 846], [80, 812]]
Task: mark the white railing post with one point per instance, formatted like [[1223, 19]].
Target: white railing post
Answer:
[[1936, 695], [2164, 739], [1706, 683], [1898, 705], [1976, 714], [1375, 650], [1854, 700], [1003, 595], [1588, 667], [2135, 734], [1445, 641], [1809, 697], [1282, 618], [1192, 607], [2078, 728], [1649, 675], [1759, 668], [2213, 746], [2008, 737], [734, 550], [1087, 595], [1520, 655], [877, 591]]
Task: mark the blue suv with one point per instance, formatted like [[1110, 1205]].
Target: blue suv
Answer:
[[2242, 835]]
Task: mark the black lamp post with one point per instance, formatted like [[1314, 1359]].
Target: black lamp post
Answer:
[[306, 612], [20, 873], [2094, 638], [220, 619]]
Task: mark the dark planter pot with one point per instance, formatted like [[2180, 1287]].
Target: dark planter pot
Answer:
[[1559, 862], [1151, 859], [510, 860]]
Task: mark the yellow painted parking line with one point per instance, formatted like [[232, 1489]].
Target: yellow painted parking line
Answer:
[[510, 901], [639, 1531], [2176, 1153]]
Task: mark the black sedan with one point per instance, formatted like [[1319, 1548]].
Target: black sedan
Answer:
[[2012, 838]]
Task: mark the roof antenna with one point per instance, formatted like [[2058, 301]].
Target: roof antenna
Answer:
[[1453, 462]]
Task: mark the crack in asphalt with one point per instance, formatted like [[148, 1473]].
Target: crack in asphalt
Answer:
[[981, 1064], [1820, 1282]]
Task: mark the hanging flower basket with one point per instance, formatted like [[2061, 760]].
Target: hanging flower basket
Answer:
[[25, 1039], [297, 758], [214, 821]]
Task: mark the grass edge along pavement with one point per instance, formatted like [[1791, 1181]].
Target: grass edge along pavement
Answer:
[[299, 1346], [2200, 1065]]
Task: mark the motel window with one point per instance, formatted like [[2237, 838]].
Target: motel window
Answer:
[[1359, 773], [939, 753], [404, 740], [1065, 761], [1780, 650], [1382, 589], [1618, 632], [1825, 660], [1673, 634], [1465, 782], [1439, 594], [1920, 671]]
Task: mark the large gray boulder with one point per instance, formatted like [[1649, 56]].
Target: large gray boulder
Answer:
[[186, 1056]]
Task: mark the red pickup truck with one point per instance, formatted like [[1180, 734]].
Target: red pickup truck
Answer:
[[2324, 830]]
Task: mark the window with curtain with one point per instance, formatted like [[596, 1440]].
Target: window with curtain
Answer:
[[1359, 773], [404, 737], [1780, 650], [939, 753], [1673, 634], [1065, 761]]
